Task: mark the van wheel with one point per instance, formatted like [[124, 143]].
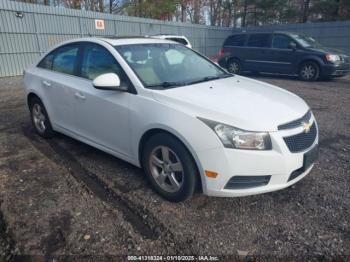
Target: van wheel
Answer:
[[40, 119], [169, 167], [234, 66], [309, 71]]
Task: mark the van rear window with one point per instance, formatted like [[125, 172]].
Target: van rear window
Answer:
[[259, 40], [235, 40]]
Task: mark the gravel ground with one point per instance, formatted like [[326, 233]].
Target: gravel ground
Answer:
[[61, 198]]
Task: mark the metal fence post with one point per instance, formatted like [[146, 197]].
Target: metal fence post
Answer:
[[37, 33]]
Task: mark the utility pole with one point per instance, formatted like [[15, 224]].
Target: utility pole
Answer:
[[306, 10]]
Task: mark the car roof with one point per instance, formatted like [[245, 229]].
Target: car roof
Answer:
[[115, 41], [134, 40], [169, 36], [264, 32]]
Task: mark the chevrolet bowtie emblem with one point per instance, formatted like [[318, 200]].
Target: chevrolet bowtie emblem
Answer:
[[306, 127]]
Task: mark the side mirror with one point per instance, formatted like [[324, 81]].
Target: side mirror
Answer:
[[109, 81], [292, 46]]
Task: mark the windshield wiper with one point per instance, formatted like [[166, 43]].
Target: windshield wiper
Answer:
[[166, 84], [209, 78]]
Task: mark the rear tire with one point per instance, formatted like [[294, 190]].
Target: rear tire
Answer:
[[169, 167], [309, 71], [234, 66], [40, 118]]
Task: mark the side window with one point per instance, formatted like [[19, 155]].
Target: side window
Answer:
[[46, 62], [97, 60], [259, 40], [64, 59], [281, 41], [235, 40]]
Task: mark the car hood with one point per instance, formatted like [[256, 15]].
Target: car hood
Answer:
[[327, 50], [238, 101]]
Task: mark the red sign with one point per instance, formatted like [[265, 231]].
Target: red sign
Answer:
[[99, 24]]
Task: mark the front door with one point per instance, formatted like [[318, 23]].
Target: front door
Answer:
[[103, 116], [282, 54]]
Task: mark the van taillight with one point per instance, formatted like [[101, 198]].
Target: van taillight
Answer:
[[221, 52]]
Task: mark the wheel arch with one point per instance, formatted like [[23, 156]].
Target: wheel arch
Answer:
[[153, 131], [32, 95], [316, 60], [234, 58]]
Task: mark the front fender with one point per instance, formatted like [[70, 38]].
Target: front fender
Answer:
[[149, 114]]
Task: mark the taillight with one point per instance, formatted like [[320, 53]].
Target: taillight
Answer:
[[221, 52]]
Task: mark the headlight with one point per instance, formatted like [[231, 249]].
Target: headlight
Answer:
[[332, 58], [233, 137]]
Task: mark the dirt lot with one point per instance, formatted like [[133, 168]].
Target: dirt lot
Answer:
[[62, 198]]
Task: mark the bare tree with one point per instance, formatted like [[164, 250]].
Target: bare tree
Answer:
[[196, 14]]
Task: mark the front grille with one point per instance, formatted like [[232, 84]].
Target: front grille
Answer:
[[302, 141], [346, 59], [296, 123], [244, 182]]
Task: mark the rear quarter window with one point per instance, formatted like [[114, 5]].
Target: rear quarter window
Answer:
[[235, 40], [46, 62]]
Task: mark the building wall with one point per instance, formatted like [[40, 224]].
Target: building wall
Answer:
[[22, 40]]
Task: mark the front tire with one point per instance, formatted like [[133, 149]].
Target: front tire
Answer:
[[309, 71], [40, 118], [169, 167]]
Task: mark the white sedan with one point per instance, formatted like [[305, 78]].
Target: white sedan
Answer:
[[163, 107]]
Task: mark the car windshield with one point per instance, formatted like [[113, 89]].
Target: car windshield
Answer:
[[169, 65], [306, 41]]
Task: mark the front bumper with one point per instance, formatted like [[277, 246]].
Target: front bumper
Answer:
[[340, 69], [278, 163]]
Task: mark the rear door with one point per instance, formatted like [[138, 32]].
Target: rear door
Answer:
[[58, 74], [234, 47], [257, 55]]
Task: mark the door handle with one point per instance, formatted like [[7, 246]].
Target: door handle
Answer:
[[46, 83], [80, 96]]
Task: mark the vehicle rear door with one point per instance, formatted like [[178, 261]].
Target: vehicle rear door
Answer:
[[58, 70], [234, 48], [257, 55]]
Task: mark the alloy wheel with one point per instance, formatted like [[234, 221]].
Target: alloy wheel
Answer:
[[166, 169], [308, 72], [39, 118]]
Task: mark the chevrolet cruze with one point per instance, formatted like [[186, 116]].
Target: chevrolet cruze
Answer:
[[164, 107]]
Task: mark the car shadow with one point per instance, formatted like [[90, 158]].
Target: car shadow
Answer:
[[285, 77]]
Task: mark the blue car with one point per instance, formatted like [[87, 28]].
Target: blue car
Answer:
[[282, 53]]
